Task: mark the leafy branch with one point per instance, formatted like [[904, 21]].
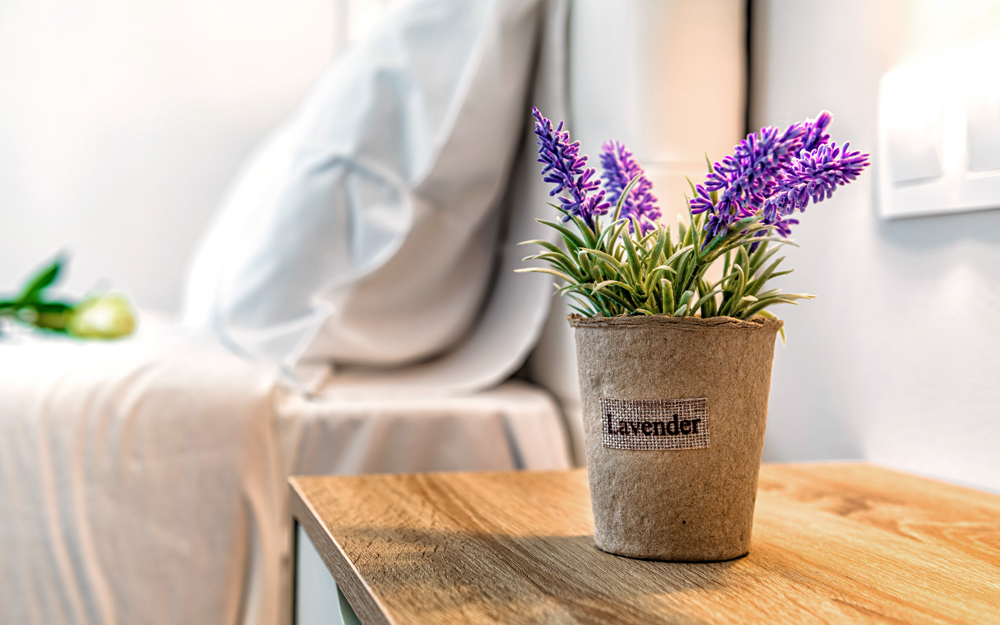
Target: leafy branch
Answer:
[[609, 272], [101, 315]]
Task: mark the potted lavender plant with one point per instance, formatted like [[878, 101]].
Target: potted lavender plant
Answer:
[[675, 368]]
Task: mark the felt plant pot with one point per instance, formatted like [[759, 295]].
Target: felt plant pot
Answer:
[[674, 412]]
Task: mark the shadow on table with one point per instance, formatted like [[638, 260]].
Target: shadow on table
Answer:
[[540, 575]]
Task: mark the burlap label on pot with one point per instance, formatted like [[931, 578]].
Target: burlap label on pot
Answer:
[[655, 424]]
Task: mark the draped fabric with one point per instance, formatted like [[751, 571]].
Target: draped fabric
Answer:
[[137, 481], [143, 481], [366, 230]]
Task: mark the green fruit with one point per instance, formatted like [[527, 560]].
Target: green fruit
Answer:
[[102, 316]]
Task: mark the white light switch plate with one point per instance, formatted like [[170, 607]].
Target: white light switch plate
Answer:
[[939, 134]]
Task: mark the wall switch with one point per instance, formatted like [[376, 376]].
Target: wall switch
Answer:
[[939, 135]]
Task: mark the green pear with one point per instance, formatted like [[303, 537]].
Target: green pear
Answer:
[[102, 316]]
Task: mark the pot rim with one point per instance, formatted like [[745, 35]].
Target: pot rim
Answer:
[[692, 324]]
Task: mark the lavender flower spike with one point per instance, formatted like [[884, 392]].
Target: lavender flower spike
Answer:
[[748, 178], [565, 168], [620, 168], [813, 176]]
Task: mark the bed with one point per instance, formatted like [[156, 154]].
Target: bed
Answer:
[[143, 480]]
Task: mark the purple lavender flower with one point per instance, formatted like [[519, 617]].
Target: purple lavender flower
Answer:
[[815, 135], [814, 176], [754, 177], [782, 225], [565, 168], [745, 177], [620, 168]]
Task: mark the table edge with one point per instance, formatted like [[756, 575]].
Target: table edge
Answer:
[[359, 594], [363, 598]]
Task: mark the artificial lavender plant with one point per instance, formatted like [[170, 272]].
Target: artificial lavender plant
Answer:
[[618, 260]]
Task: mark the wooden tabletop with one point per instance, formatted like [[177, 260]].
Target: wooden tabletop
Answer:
[[832, 543]]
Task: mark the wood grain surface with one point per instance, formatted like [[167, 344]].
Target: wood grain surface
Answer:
[[832, 543]]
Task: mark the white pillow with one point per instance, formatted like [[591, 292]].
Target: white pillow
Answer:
[[364, 230]]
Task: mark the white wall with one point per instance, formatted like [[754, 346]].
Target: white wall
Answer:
[[645, 73], [122, 122], [898, 360]]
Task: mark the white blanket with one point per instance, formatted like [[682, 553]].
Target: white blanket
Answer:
[[515, 426], [136, 478], [143, 481]]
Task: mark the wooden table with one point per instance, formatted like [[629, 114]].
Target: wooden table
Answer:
[[832, 543]]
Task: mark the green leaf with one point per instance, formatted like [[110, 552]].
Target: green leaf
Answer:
[[710, 307], [552, 247], [633, 259], [781, 330], [760, 263], [582, 288], [560, 261], [696, 232], [588, 234], [665, 268], [45, 277], [735, 294], [584, 301], [687, 266], [572, 241], [625, 193], [778, 240], [771, 301], [743, 260], [742, 224], [553, 272], [729, 277], [676, 255], [755, 261], [611, 233], [646, 238], [657, 249], [608, 258], [616, 298], [667, 296], [608, 283], [757, 283], [757, 287], [701, 302]]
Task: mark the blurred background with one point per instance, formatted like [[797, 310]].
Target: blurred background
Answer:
[[375, 164], [895, 361], [123, 123]]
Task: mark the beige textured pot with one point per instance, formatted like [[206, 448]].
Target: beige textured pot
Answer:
[[674, 412]]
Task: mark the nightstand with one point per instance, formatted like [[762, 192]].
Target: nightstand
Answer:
[[833, 543]]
